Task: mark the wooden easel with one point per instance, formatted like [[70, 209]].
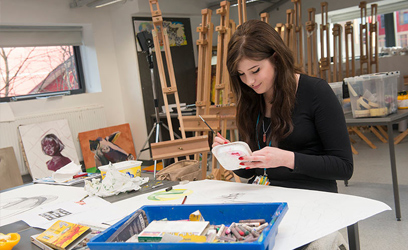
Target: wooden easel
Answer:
[[280, 28], [364, 62], [160, 34], [373, 40], [194, 123], [311, 42], [227, 114], [221, 76], [337, 58], [265, 17], [289, 30], [400, 137], [223, 96], [204, 42], [242, 14], [298, 33], [325, 47], [186, 147], [349, 37]]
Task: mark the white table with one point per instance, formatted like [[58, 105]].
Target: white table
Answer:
[[311, 214]]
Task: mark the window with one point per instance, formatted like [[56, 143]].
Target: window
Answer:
[[39, 62]]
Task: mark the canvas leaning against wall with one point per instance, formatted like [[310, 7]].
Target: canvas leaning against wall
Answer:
[[47, 147], [111, 144]]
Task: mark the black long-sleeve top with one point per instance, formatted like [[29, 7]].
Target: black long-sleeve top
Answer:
[[319, 140]]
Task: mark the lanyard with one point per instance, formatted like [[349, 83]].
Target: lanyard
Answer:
[[257, 139]]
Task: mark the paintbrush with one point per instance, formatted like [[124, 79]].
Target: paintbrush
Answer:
[[207, 125]]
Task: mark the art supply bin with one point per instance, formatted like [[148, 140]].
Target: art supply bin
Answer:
[[216, 214], [373, 95]]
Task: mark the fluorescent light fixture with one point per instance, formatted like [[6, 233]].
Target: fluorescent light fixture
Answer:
[[248, 1], [102, 3]]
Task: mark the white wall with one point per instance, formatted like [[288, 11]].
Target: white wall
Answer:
[[110, 62], [111, 66]]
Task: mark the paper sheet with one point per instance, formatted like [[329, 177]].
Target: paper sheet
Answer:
[[16, 202], [311, 214], [72, 211]]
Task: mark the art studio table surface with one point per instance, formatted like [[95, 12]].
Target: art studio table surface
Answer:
[[311, 214]]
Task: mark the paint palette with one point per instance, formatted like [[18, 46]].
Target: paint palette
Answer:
[[228, 154]]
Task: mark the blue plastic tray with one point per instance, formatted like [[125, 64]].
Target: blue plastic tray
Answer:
[[216, 214]]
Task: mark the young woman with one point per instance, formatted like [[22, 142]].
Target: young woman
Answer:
[[292, 122]]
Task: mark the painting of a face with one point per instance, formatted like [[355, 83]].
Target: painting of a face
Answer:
[[50, 147]]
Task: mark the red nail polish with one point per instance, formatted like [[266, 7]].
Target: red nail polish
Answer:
[[242, 163], [241, 158], [247, 168], [225, 142]]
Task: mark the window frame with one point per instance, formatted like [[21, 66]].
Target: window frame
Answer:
[[81, 83]]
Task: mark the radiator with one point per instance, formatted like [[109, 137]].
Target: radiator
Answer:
[[80, 119]]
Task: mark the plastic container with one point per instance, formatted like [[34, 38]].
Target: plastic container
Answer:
[[132, 168], [216, 214], [373, 95], [228, 154], [337, 88]]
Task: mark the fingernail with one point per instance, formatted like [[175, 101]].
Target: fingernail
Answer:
[[247, 168], [241, 158], [225, 142], [242, 163]]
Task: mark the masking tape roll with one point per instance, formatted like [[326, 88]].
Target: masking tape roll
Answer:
[[361, 113], [379, 112], [363, 103], [373, 104]]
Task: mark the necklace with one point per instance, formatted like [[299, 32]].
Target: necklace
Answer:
[[265, 131]]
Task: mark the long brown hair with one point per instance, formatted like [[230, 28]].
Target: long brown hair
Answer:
[[257, 40]]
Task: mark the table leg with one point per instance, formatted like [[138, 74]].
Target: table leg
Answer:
[[394, 171], [353, 238]]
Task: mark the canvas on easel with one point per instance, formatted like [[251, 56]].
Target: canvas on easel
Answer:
[[110, 144], [47, 147]]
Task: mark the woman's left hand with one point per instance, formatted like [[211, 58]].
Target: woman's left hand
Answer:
[[269, 157]]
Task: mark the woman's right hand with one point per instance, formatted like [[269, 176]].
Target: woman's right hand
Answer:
[[219, 140]]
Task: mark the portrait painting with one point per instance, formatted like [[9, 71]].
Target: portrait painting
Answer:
[[47, 147], [106, 145]]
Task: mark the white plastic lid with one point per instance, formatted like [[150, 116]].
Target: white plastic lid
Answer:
[[228, 154]]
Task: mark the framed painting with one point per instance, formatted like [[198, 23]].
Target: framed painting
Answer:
[[111, 144], [47, 147]]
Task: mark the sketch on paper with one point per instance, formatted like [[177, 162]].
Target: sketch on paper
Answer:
[[48, 146], [18, 205], [101, 146], [232, 197]]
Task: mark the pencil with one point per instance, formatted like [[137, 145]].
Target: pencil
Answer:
[[184, 200]]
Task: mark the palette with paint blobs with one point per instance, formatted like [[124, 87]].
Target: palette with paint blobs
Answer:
[[228, 154]]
